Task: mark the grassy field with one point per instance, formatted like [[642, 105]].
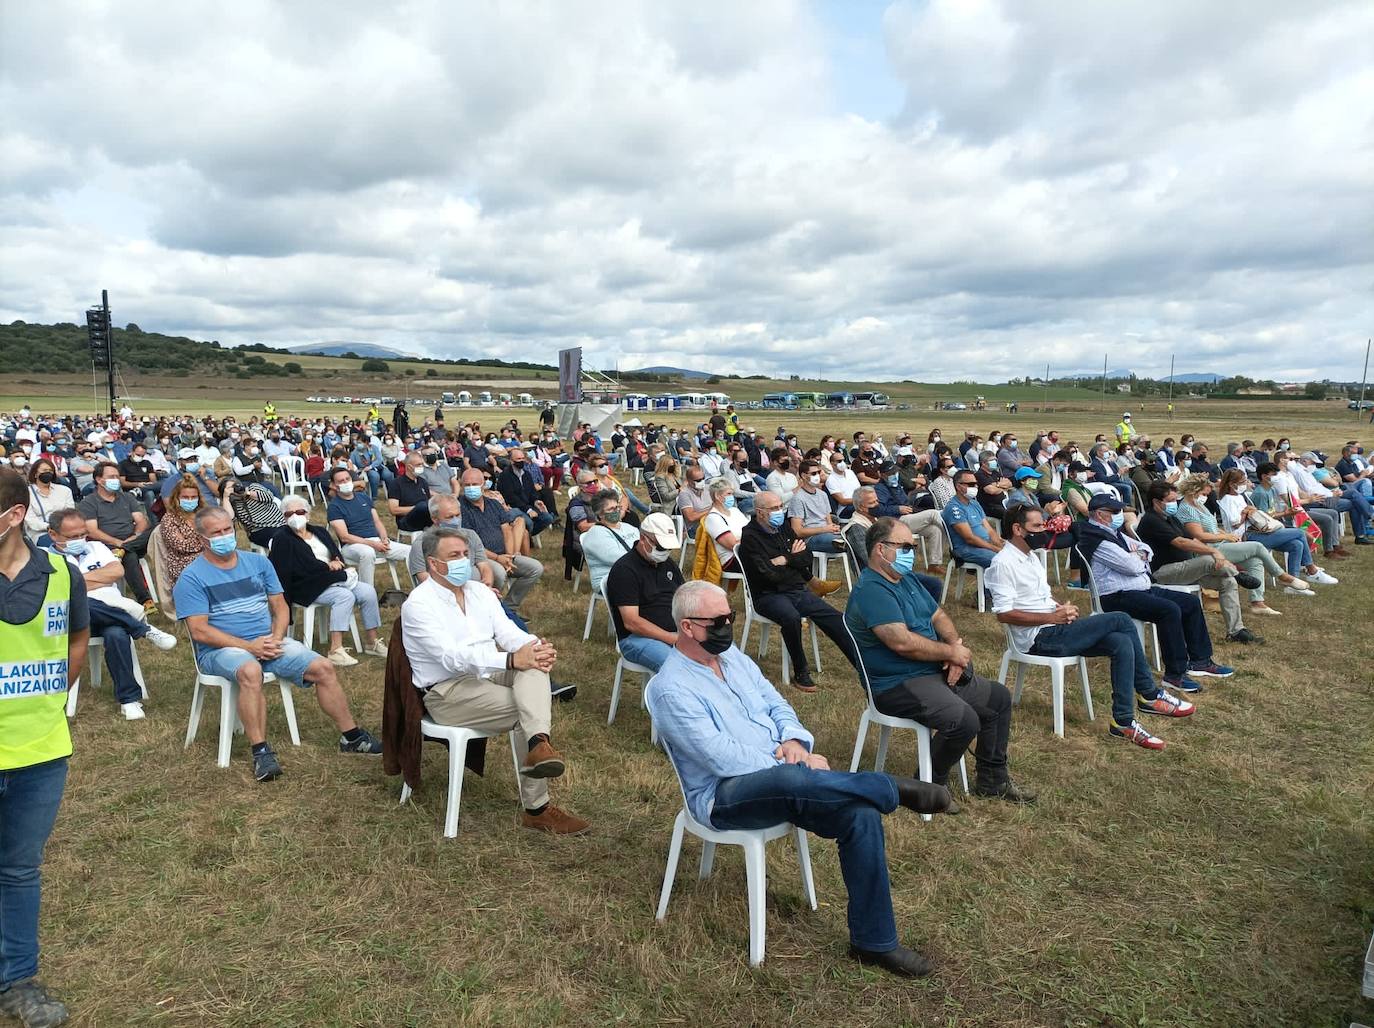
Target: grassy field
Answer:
[[1225, 881]]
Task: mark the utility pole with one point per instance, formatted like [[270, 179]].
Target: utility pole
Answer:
[[1103, 406], [1364, 380], [1046, 406], [1171, 380]]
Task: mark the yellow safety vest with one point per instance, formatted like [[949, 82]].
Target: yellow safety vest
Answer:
[[33, 679], [1125, 432]]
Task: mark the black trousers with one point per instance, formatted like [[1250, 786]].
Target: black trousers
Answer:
[[135, 549], [788, 609], [980, 708]]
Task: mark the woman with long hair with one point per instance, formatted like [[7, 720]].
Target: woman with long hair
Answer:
[[181, 542], [1237, 513], [46, 496]]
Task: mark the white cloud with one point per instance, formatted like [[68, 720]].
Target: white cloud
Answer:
[[669, 184]]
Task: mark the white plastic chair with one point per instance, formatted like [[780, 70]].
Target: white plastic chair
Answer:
[[887, 722], [228, 708], [1056, 666], [457, 739], [305, 617], [621, 666], [597, 596], [955, 564], [293, 478], [93, 661], [752, 615], [753, 842], [148, 578], [1095, 601], [821, 565]]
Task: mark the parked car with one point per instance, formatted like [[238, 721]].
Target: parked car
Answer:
[[953, 405], [1360, 405]]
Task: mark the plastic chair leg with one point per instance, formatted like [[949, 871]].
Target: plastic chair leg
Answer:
[[816, 646], [1057, 692], [756, 877], [744, 635], [193, 723], [1087, 692], [1020, 683], [708, 860], [963, 773], [859, 743], [670, 872], [456, 756], [884, 736], [615, 690], [1006, 665], [949, 570], [591, 613], [804, 858], [289, 703], [925, 765], [72, 694], [228, 707]]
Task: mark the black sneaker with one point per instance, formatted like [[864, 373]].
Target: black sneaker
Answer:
[[1245, 636], [562, 691], [1247, 581], [29, 1001], [1008, 790], [366, 742], [1364, 540], [901, 961], [265, 766]]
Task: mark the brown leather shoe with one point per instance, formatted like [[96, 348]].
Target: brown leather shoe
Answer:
[[1340, 551], [543, 761], [822, 586], [938, 570], [553, 821]]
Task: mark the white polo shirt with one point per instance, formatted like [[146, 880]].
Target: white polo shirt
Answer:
[[1018, 581]]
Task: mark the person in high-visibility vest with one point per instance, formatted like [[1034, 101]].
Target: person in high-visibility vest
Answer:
[[44, 632], [731, 422], [269, 411], [1125, 431]]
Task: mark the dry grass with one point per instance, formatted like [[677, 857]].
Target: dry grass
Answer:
[[1225, 881]]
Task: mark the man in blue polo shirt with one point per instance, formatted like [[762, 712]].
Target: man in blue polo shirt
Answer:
[[918, 666], [975, 537], [493, 522]]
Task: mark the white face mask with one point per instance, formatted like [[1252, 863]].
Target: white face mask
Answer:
[[1082, 476], [814, 479], [297, 521], [344, 488]]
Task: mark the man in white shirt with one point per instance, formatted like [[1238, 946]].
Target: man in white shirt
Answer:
[[207, 452], [476, 669], [1021, 599], [1347, 501], [842, 484]]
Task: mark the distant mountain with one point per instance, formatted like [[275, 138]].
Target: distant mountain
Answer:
[[341, 348], [1204, 376], [663, 369]]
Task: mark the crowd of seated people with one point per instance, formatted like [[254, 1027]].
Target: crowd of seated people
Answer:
[[1140, 522]]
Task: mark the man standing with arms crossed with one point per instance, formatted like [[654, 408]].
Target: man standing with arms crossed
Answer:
[[44, 631]]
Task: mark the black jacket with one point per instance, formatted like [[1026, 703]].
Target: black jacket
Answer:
[[757, 549], [303, 576], [518, 489]]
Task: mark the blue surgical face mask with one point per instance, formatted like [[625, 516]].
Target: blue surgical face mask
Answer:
[[223, 545], [1011, 445], [76, 547], [776, 518], [893, 480], [451, 523], [472, 492], [904, 561], [188, 505], [111, 484], [1171, 507], [192, 466], [459, 571], [1118, 519]]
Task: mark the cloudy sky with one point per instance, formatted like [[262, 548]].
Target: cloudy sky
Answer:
[[937, 190]]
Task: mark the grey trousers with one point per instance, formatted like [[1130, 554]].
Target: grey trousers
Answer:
[[523, 577], [1202, 571]]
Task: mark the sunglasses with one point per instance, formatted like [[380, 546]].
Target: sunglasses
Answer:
[[719, 621], [903, 547]]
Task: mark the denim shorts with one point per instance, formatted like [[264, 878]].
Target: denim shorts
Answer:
[[291, 665]]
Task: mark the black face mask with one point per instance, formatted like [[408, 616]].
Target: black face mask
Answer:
[[47, 477], [718, 639], [1037, 540]]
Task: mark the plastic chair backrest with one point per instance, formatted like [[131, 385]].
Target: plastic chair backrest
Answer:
[[1094, 597], [863, 668]]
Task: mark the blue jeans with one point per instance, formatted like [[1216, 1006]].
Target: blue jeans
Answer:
[[637, 503], [117, 630], [1183, 637], [837, 805], [973, 554], [1360, 510], [650, 653], [1104, 635], [823, 543], [29, 798], [1292, 542], [536, 522]]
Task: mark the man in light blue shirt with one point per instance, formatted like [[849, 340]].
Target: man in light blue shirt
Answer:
[[975, 538], [745, 762]]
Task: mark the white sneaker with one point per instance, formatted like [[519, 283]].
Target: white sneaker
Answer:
[[1293, 591], [1321, 578], [377, 649], [162, 640], [342, 658], [132, 711]]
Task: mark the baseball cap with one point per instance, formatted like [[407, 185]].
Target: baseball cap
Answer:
[[1024, 473], [185, 453], [661, 527], [1104, 502]]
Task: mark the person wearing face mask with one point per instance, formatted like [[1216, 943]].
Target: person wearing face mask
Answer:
[[363, 539], [1120, 566], [745, 761], [1040, 625], [521, 488], [502, 532], [117, 519], [47, 496], [136, 474], [254, 507], [607, 539], [694, 500], [118, 621], [1074, 489], [408, 495], [246, 463], [1179, 559], [918, 666], [1105, 470], [180, 541], [808, 513], [974, 535], [44, 636], [231, 601], [1010, 457], [867, 463], [311, 570], [188, 464], [640, 587], [842, 484], [781, 478], [783, 587]]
